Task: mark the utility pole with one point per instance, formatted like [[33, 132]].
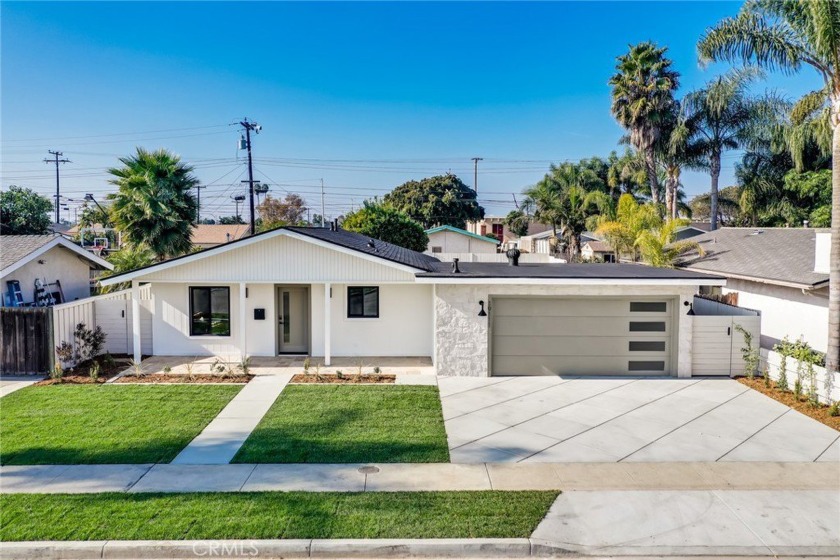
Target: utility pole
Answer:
[[198, 203], [475, 173], [323, 212], [249, 126], [238, 199], [56, 161]]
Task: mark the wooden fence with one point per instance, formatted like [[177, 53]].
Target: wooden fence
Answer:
[[26, 336]]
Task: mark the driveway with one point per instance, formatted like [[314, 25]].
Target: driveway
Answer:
[[560, 420]]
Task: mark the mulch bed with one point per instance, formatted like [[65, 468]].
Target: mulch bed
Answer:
[[80, 376], [153, 378], [818, 413], [330, 378]]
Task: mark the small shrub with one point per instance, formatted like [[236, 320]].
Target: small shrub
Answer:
[[307, 362], [57, 372], [377, 370], [167, 369], [749, 354], [93, 372], [797, 388], [137, 369], [89, 342], [766, 376], [339, 374], [109, 360], [64, 351], [834, 409], [245, 365], [190, 369], [223, 366]]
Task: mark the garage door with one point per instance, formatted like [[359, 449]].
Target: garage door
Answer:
[[603, 336]]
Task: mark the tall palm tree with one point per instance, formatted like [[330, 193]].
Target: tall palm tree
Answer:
[[787, 35], [153, 206], [714, 119], [642, 98]]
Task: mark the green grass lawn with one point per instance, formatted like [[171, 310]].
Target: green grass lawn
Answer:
[[350, 424], [77, 424], [271, 515]]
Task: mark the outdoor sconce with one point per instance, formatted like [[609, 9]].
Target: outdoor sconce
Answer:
[[690, 308], [482, 313]]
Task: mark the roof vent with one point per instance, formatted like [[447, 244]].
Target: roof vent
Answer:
[[758, 232], [335, 225], [371, 244], [513, 256], [455, 269]]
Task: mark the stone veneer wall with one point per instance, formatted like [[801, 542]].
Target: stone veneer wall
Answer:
[[461, 345]]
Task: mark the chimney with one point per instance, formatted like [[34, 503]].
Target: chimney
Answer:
[[822, 250], [335, 225], [455, 269], [513, 256]]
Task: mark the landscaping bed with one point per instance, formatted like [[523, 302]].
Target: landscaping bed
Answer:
[[199, 378], [367, 378], [80, 374], [89, 424], [819, 413], [350, 424], [272, 515]]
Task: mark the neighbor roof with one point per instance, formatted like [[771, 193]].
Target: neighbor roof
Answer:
[[453, 229], [216, 234], [782, 256], [599, 246], [17, 250]]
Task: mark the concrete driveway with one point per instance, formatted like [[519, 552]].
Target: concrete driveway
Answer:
[[559, 420]]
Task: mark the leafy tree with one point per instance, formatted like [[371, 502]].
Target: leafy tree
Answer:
[[787, 35], [275, 212], [438, 200], [627, 173], [24, 212], [642, 101], [153, 206], [658, 248], [517, 222], [812, 191], [630, 220], [728, 208], [92, 215], [124, 260], [382, 221]]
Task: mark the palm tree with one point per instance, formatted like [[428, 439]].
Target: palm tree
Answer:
[[153, 206], [658, 248], [714, 119], [787, 35], [642, 98], [623, 229], [128, 258]]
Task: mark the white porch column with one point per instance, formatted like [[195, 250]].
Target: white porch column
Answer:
[[243, 318], [685, 336], [136, 338], [327, 322]]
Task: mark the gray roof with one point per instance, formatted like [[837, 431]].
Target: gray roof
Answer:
[[362, 244], [582, 271], [14, 248], [773, 255]]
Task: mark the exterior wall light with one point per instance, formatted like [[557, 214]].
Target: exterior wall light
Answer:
[[482, 313]]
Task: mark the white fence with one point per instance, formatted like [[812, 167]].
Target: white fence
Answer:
[[827, 387], [717, 340], [112, 312], [524, 258]]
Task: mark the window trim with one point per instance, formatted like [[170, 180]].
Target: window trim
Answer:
[[209, 336], [363, 316]]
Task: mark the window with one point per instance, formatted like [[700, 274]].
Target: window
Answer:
[[645, 366], [648, 306], [436, 249], [647, 326], [362, 302], [647, 345], [209, 311]]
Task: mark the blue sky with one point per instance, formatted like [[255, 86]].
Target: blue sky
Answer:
[[363, 96]]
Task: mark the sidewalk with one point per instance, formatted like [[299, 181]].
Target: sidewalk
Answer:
[[419, 477]]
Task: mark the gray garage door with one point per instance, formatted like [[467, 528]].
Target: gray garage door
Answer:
[[597, 336]]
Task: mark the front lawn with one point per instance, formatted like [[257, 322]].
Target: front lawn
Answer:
[[271, 515], [78, 424], [350, 424]]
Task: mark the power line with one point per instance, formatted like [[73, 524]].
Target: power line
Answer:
[[250, 126], [56, 155]]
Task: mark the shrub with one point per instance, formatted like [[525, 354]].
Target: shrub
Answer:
[[834, 409], [339, 374], [749, 354], [93, 372], [57, 372], [307, 362], [766, 376], [167, 369], [109, 360], [245, 365], [64, 351], [377, 370], [89, 342]]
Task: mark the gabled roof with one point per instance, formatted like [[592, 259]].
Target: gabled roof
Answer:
[[341, 239], [453, 229], [17, 250], [599, 246], [783, 256], [207, 234]]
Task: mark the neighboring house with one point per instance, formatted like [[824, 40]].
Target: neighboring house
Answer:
[[541, 242], [597, 251], [495, 226], [781, 272], [205, 236], [448, 239], [692, 230], [59, 265], [326, 293]]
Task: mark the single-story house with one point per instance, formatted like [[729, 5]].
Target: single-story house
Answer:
[[449, 239], [597, 251], [205, 236], [329, 292], [781, 272], [61, 268], [692, 229], [495, 226], [541, 242]]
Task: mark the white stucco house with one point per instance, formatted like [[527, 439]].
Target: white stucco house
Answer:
[[449, 239], [61, 267], [330, 293], [780, 272]]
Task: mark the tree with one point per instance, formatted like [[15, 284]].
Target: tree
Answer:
[[658, 248], [124, 260], [92, 215], [642, 99], [382, 221], [714, 119], [436, 201], [518, 222], [275, 212], [630, 220], [787, 35], [153, 206], [728, 208], [24, 212], [627, 173], [236, 219]]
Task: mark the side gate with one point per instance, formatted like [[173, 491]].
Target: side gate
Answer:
[[26, 335], [717, 342]]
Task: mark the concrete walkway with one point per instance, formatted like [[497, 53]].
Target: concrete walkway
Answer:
[[419, 477], [11, 383], [222, 438], [555, 420]]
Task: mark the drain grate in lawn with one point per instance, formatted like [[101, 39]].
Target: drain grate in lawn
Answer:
[[350, 424], [272, 515], [87, 424]]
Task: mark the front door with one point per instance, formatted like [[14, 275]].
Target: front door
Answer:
[[293, 320]]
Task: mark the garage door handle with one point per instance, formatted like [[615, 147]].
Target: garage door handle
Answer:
[[728, 331], [123, 313]]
